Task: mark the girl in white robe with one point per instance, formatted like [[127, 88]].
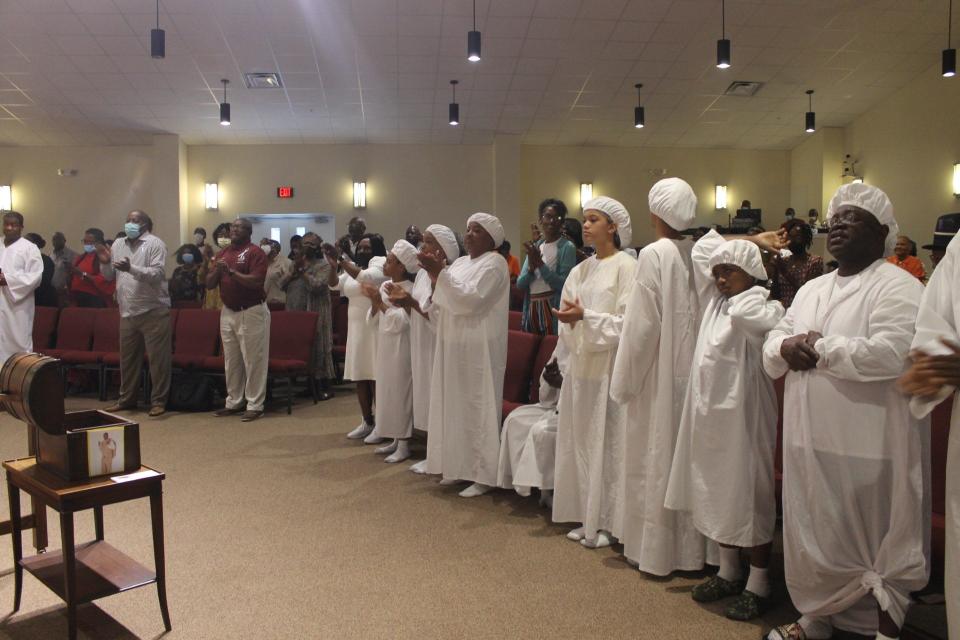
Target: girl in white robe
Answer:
[[588, 478], [722, 472], [21, 268]]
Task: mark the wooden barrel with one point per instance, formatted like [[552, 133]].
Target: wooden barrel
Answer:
[[33, 390]]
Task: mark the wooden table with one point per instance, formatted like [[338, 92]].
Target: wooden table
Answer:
[[37, 519], [92, 570]]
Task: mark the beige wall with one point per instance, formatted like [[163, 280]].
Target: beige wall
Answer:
[[816, 166]]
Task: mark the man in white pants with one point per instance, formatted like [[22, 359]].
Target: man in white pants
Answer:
[[240, 270]]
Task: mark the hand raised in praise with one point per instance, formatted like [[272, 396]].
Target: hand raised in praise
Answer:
[[103, 253]]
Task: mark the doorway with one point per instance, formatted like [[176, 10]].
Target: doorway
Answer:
[[281, 226]]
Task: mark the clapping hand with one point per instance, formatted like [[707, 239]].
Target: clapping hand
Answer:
[[398, 296], [570, 313], [103, 253], [534, 232], [534, 259], [431, 263], [930, 373], [123, 265], [552, 375]]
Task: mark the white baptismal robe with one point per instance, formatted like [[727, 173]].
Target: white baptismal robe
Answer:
[[394, 410], [472, 299], [529, 438], [650, 379], [423, 337], [722, 472], [22, 267], [588, 476], [939, 318], [360, 359], [856, 500]]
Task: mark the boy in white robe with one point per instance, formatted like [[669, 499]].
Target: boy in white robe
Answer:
[[722, 471], [21, 268], [856, 500], [529, 437]]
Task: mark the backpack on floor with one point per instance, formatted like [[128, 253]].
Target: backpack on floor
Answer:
[[191, 392]]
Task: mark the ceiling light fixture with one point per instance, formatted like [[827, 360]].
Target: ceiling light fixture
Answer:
[[225, 106], [454, 107], [473, 39], [638, 110], [723, 45], [811, 120], [158, 46], [949, 66]]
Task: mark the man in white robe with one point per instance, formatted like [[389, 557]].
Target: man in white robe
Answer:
[[529, 437], [21, 268], [856, 497], [471, 299], [934, 376]]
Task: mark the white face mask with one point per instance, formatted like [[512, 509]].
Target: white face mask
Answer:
[[198, 239], [223, 243]]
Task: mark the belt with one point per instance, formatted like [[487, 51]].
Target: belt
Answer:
[[243, 307]]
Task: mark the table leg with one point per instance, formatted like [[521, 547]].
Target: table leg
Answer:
[[156, 516], [38, 509], [69, 572], [98, 522], [14, 495]]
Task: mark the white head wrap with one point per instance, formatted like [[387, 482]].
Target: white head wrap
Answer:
[[491, 225], [870, 199], [740, 253], [617, 213], [447, 241], [673, 201], [407, 255]]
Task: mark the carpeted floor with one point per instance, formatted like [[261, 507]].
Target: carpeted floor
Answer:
[[282, 528]]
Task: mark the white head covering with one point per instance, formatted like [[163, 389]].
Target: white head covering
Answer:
[[407, 255], [617, 213], [446, 239], [870, 199], [740, 253], [491, 225], [673, 201]]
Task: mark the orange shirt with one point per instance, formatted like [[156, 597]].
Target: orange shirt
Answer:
[[513, 265], [912, 264]]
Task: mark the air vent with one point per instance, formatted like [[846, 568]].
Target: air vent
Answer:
[[743, 89], [263, 80]]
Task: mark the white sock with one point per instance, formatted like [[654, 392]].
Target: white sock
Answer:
[[446, 482], [816, 628], [730, 564], [373, 438], [576, 535], [475, 490], [603, 539], [387, 449], [881, 636], [401, 452], [419, 467], [361, 431], [758, 582]]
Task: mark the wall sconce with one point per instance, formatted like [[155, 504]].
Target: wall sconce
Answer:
[[720, 196], [6, 198], [360, 195], [857, 180], [211, 196], [586, 193]]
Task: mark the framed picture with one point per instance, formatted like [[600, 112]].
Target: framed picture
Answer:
[[105, 453]]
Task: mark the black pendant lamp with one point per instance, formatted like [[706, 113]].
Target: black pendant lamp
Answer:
[[473, 39], [454, 107], [949, 59], [225, 106], [811, 119], [158, 39], [638, 110], [723, 45]]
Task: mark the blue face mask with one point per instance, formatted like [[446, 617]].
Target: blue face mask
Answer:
[[89, 248], [132, 229], [187, 258]]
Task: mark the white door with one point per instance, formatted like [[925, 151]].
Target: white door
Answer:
[[281, 226]]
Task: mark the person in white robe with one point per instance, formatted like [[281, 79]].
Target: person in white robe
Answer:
[[21, 268], [856, 500], [472, 299], [588, 477], [933, 377], [359, 363], [441, 242], [394, 411], [722, 472], [529, 438]]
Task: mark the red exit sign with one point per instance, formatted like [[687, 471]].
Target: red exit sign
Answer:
[[284, 192]]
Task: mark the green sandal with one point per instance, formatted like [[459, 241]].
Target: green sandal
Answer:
[[716, 588], [747, 606]]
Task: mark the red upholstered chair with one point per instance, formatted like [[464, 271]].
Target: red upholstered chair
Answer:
[[544, 355], [44, 328], [515, 321], [939, 432], [516, 297], [196, 334], [74, 330], [292, 334], [521, 353], [186, 304], [276, 306]]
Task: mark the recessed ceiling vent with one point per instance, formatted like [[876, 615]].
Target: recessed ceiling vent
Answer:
[[743, 89], [263, 80]]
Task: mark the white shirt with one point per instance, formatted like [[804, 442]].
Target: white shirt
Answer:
[[144, 287]]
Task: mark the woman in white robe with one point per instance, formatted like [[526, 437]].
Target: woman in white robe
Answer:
[[588, 478], [21, 268], [856, 467], [471, 298]]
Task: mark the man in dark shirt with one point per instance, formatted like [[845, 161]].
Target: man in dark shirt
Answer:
[[239, 270]]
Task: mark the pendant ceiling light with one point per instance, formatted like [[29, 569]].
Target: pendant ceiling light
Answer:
[[949, 61], [158, 43], [454, 107], [811, 119], [638, 110], [225, 106], [473, 39], [723, 45]]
